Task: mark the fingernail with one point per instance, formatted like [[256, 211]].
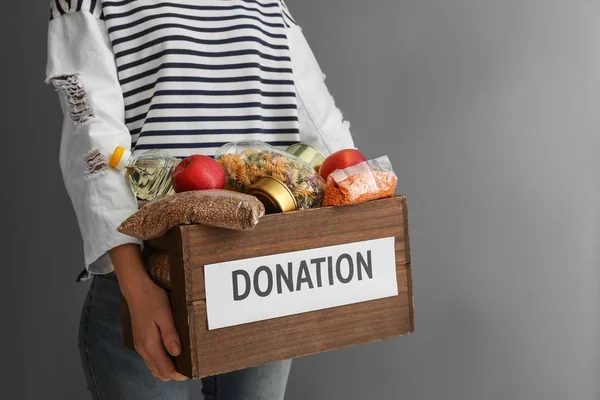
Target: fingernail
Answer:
[[174, 350]]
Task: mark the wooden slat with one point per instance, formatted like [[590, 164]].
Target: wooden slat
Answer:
[[206, 353], [411, 298], [186, 361], [297, 231], [243, 346], [165, 242], [364, 322], [406, 227]]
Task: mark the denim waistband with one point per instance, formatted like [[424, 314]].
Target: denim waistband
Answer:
[[111, 275], [85, 275]]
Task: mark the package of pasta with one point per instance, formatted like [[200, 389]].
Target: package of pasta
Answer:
[[369, 180], [247, 162], [218, 208]]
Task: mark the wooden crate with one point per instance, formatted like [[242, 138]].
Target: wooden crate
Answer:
[[210, 352]]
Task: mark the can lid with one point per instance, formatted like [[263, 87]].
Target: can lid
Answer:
[[271, 206], [119, 158], [274, 194], [307, 153]]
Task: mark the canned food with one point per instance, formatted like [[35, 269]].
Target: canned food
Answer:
[[307, 153], [274, 194]]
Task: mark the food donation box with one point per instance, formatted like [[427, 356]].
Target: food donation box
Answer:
[[299, 283]]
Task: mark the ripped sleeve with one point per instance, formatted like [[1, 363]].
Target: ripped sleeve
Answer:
[[72, 90], [81, 68]]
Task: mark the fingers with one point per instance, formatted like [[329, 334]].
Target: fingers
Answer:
[[159, 358], [144, 351], [152, 369], [158, 362], [170, 338], [179, 377], [155, 334], [165, 365]]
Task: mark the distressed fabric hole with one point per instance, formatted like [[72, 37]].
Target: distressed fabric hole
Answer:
[[96, 163], [74, 92]]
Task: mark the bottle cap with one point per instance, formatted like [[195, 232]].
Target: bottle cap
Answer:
[[119, 158]]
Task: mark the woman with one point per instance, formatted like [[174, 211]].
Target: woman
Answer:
[[185, 76]]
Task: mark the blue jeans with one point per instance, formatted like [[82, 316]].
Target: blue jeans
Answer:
[[115, 372]]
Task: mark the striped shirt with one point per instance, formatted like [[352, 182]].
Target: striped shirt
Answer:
[[184, 76], [198, 74]]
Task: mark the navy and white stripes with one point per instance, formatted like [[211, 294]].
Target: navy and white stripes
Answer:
[[287, 15], [197, 74], [62, 7]]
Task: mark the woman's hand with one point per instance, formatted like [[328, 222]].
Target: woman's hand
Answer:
[[154, 332]]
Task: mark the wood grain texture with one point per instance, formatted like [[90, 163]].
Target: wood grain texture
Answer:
[[406, 227], [178, 257], [166, 242], [171, 242], [243, 346], [411, 297], [207, 353], [302, 230]]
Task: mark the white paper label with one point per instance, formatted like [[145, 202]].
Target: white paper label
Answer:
[[256, 289]]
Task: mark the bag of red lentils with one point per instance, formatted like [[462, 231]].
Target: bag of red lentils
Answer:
[[369, 180]]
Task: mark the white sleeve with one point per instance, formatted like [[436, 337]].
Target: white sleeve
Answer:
[[81, 66], [321, 122]]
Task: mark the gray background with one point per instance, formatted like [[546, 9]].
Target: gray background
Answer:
[[490, 112]]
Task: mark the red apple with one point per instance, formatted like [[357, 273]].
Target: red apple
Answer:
[[340, 160], [198, 172]]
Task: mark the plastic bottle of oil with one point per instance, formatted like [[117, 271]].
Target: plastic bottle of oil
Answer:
[[148, 172]]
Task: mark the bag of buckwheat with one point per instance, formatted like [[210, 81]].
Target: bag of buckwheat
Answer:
[[218, 208]]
